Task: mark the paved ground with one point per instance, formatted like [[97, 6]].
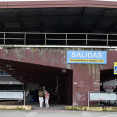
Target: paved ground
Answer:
[[52, 107], [56, 113]]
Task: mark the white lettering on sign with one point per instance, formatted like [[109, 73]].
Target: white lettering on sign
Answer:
[[86, 55]]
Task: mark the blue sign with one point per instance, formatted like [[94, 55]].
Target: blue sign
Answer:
[[87, 57], [115, 67]]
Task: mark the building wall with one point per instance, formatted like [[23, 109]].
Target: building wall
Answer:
[[86, 77], [31, 86], [57, 3]]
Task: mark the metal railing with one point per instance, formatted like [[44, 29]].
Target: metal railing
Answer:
[[75, 39]]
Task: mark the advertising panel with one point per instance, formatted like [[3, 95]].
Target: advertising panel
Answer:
[[102, 96], [11, 95]]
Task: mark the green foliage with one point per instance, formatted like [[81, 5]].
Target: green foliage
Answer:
[[19, 108]]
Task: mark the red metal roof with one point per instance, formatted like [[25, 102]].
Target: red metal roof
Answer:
[[58, 3]]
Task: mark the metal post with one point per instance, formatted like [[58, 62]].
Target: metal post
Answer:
[[88, 98], [24, 98], [45, 38], [24, 38], [4, 38], [107, 39], [66, 38], [86, 38], [4, 72]]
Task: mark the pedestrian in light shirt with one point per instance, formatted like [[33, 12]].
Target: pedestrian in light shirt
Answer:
[[47, 99], [41, 94]]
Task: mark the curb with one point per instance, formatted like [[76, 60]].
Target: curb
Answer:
[[14, 107], [110, 109]]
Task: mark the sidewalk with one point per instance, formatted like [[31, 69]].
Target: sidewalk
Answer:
[[52, 107]]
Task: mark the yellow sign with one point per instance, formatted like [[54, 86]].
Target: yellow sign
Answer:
[[115, 67], [86, 60]]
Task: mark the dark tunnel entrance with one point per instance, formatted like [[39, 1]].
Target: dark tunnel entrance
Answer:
[[108, 84], [58, 81]]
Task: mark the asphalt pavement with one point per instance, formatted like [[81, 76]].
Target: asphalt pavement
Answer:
[[55, 113]]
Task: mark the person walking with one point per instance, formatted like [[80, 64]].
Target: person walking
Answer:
[[47, 99], [31, 95], [27, 96], [41, 94]]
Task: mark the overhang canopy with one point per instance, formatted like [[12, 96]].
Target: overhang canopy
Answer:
[[59, 19]]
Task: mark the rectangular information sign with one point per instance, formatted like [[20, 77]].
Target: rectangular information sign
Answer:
[[11, 95], [115, 67], [87, 57], [102, 96]]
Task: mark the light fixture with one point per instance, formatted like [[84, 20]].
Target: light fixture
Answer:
[[63, 70]]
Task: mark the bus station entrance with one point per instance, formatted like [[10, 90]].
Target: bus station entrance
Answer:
[[57, 81]]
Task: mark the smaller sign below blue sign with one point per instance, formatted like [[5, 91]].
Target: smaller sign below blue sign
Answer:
[[87, 57]]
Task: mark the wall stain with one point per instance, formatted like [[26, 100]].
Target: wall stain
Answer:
[[89, 67], [93, 70], [19, 54]]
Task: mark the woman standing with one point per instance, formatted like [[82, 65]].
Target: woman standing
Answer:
[[47, 99]]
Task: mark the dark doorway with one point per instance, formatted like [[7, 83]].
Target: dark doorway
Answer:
[[58, 81], [108, 85]]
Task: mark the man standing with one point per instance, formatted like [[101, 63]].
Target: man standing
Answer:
[[41, 94]]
